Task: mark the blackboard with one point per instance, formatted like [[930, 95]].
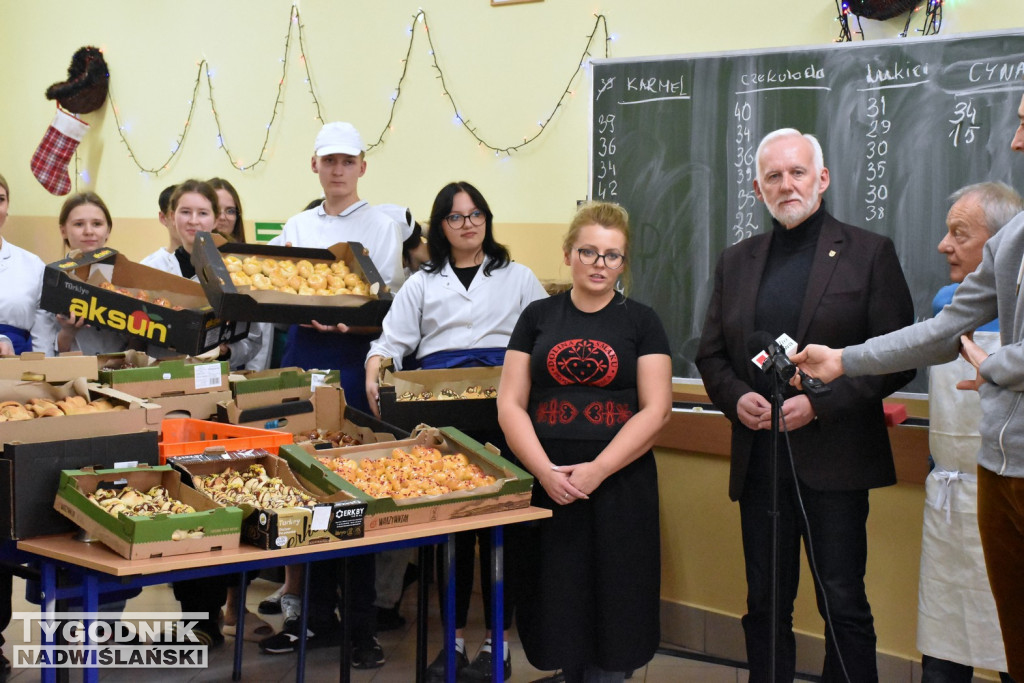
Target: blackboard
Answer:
[[902, 123]]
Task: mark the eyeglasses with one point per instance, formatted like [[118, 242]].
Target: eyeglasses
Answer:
[[456, 221], [230, 212], [613, 260]]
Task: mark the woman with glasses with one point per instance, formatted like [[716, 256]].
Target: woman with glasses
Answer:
[[229, 219], [586, 387], [458, 311]]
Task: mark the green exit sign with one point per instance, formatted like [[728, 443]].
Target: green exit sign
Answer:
[[268, 231]]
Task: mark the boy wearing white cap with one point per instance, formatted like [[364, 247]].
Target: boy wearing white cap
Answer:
[[342, 217]]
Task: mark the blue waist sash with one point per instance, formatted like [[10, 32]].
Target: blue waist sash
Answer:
[[21, 339], [464, 358]]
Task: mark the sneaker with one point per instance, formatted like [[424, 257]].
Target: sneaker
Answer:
[[435, 672], [287, 640], [272, 603], [368, 655], [291, 608], [388, 619], [482, 669]]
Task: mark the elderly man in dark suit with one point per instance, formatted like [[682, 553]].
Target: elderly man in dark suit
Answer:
[[815, 279]]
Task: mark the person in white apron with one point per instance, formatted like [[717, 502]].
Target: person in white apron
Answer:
[[957, 625]]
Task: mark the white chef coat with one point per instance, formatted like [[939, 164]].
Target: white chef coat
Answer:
[[435, 312], [379, 234], [21, 282]]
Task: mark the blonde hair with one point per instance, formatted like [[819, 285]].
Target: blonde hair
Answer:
[[606, 214]]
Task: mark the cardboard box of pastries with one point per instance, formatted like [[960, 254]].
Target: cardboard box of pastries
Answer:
[[462, 397], [497, 484], [312, 516], [137, 528], [30, 475], [136, 373], [259, 282], [35, 412], [35, 366], [110, 291]]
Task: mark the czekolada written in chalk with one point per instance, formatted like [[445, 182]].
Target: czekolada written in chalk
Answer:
[[772, 76]]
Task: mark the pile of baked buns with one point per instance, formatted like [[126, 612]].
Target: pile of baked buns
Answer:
[[12, 411], [296, 277]]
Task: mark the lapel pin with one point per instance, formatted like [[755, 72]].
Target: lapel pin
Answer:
[[832, 253]]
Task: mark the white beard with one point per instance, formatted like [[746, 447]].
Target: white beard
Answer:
[[792, 216]]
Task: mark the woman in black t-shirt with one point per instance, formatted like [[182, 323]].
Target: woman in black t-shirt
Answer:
[[585, 389]]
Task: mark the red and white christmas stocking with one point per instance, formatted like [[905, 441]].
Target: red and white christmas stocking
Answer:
[[50, 162]]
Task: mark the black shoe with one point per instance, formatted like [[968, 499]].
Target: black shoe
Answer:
[[368, 655], [287, 640], [435, 672], [272, 603], [389, 619], [482, 668]]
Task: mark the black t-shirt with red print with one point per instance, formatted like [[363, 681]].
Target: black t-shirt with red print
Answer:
[[583, 366]]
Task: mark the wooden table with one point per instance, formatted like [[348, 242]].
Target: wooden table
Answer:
[[101, 570]]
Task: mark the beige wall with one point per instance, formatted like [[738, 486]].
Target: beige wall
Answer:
[[506, 67]]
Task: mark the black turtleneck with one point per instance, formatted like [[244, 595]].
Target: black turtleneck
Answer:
[[784, 283]]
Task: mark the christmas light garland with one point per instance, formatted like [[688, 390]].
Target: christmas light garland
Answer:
[[294, 21]]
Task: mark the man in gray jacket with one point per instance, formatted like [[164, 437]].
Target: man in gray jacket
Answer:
[[993, 290]]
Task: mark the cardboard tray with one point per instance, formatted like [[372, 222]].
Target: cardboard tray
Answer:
[[138, 416], [72, 284], [35, 366], [145, 537], [280, 399], [471, 415], [338, 516], [512, 490], [193, 406], [245, 303], [150, 378], [30, 475]]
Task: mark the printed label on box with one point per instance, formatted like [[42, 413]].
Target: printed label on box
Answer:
[[317, 379], [321, 517], [208, 375]]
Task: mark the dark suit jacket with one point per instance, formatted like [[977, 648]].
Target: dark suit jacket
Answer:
[[856, 290]]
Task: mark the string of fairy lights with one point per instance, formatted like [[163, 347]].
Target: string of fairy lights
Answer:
[[296, 27], [932, 19]]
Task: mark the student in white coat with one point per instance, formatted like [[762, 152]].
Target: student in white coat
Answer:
[[459, 311]]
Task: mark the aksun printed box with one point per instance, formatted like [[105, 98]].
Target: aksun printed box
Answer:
[[211, 527], [511, 490], [248, 303], [337, 516], [188, 324]]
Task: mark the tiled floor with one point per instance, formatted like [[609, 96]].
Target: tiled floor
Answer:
[[322, 665]]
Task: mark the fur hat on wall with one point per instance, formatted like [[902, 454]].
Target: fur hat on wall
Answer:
[[85, 90]]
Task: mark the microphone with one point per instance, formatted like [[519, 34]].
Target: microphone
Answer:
[[769, 355]]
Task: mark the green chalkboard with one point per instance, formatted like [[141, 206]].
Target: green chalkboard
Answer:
[[903, 123]]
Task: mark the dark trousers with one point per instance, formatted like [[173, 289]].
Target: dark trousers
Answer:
[[5, 601], [836, 540], [1001, 523], [325, 596], [941, 671]]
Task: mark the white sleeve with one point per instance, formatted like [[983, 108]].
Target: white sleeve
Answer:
[[245, 350], [401, 329], [261, 360], [44, 332]]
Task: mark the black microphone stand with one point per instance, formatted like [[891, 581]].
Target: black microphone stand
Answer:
[[773, 512]]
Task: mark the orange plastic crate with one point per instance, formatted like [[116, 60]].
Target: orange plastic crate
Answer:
[[185, 436]]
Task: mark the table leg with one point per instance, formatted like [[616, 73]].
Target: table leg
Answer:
[[426, 559], [300, 668], [243, 584], [48, 585], [497, 605], [90, 605], [345, 657], [449, 609]]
